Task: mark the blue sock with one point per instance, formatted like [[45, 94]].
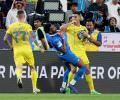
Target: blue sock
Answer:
[[66, 73], [79, 73]]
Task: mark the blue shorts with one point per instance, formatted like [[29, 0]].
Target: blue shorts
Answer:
[[69, 57]]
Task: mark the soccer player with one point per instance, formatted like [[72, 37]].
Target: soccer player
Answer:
[[59, 42], [76, 44], [95, 41], [22, 51]]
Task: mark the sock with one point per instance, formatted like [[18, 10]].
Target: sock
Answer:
[[66, 73], [34, 78], [72, 82], [78, 74], [89, 80], [18, 72], [64, 85], [70, 77], [65, 77]]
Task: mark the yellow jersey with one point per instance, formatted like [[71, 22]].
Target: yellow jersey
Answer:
[[74, 42], [20, 42], [20, 34]]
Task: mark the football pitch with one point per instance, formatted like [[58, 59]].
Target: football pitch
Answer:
[[51, 96]]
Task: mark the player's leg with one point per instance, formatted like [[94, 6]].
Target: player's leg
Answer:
[[63, 88], [64, 83], [29, 58], [34, 77], [19, 61], [71, 74], [88, 75], [81, 71], [89, 80], [73, 59], [19, 75]]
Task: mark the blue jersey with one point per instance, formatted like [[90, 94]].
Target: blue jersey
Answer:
[[56, 41]]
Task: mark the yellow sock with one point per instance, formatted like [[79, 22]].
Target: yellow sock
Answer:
[[70, 77], [89, 81], [18, 72], [34, 78]]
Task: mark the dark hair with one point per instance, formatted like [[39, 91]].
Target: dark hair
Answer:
[[112, 18], [39, 18], [47, 27], [74, 4], [20, 12], [90, 20]]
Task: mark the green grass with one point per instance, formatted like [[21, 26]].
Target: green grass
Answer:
[[21, 96]]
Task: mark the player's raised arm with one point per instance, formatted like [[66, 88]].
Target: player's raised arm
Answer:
[[63, 28]]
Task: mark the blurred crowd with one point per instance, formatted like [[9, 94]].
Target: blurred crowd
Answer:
[[105, 13]]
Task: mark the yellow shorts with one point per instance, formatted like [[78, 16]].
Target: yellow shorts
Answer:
[[23, 55], [83, 56]]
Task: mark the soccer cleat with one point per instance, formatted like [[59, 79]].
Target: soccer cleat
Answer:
[[36, 90], [62, 90], [72, 88], [19, 83], [68, 91], [94, 92], [65, 90]]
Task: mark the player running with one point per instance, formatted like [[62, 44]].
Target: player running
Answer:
[[22, 51]]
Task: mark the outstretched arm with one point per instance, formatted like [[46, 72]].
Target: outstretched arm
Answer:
[[7, 41], [63, 28]]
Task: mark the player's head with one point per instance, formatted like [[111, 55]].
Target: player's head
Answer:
[[21, 15], [90, 25], [50, 28], [76, 16], [38, 22], [53, 28]]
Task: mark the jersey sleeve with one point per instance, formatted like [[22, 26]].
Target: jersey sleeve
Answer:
[[49, 39], [99, 38], [58, 44], [40, 34], [29, 28], [9, 30]]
